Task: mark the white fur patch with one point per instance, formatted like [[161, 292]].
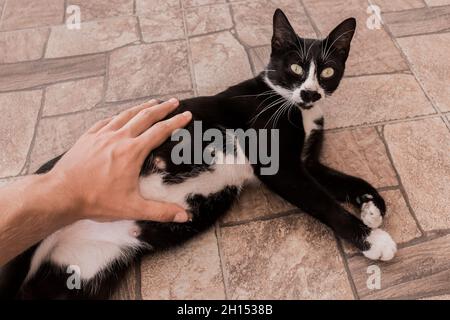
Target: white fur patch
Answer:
[[371, 215], [309, 117], [92, 246], [382, 247]]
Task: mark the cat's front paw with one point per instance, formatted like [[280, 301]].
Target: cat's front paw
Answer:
[[372, 210], [382, 247]]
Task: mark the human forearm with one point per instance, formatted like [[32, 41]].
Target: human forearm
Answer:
[[27, 214]]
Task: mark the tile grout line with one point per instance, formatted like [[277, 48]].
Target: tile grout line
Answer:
[[272, 216], [3, 12], [346, 267], [217, 233], [139, 30], [189, 51], [134, 7], [401, 187], [423, 34], [311, 20], [26, 167], [105, 81], [411, 67]]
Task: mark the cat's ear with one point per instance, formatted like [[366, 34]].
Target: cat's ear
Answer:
[[283, 33], [339, 39]]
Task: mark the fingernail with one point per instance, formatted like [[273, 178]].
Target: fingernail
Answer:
[[173, 100], [187, 114], [181, 217]]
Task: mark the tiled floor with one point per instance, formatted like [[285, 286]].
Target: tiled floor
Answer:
[[388, 123]]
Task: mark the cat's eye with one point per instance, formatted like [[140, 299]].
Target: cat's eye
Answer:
[[296, 69], [327, 72]]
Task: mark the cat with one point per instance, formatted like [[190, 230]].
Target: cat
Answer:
[[301, 72]]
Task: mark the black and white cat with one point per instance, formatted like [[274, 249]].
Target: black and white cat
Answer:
[[300, 73]]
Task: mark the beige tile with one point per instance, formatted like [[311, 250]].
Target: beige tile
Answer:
[[420, 153], [147, 6], [219, 61], [127, 286], [6, 181], [36, 73], [191, 271], [254, 20], [443, 297], [256, 201], [162, 26], [293, 257], [418, 21], [429, 58], [20, 14], [19, 112], [148, 70], [437, 2], [372, 51], [102, 8], [416, 271], [93, 37], [260, 57], [398, 222], [194, 3], [397, 5], [359, 152], [208, 19], [73, 96], [371, 99], [22, 45]]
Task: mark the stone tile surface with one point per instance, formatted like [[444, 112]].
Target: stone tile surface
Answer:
[[416, 271], [136, 71], [397, 5], [191, 271], [379, 98], [437, 2], [254, 20], [287, 258], [208, 19], [21, 14], [99, 9], [260, 57], [256, 201], [430, 63], [398, 222], [19, 112], [93, 37], [418, 21], [420, 153], [219, 61], [22, 45], [128, 287], [372, 51], [361, 153], [161, 26], [73, 96], [37, 73], [194, 3], [148, 6]]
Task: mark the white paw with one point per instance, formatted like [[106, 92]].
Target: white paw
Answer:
[[382, 247], [371, 215]]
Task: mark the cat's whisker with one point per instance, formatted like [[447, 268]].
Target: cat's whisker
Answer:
[[271, 105], [342, 34]]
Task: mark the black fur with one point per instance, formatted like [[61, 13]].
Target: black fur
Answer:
[[302, 179]]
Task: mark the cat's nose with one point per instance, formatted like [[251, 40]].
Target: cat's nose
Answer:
[[310, 96]]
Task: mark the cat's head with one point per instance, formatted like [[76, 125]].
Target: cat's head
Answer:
[[302, 70]]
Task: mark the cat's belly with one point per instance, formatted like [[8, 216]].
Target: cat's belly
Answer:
[[92, 246]]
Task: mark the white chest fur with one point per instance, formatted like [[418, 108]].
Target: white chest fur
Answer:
[[310, 116]]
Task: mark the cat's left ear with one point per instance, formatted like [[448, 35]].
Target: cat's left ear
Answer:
[[283, 33], [341, 36]]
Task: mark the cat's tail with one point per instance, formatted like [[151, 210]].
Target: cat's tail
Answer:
[[13, 274]]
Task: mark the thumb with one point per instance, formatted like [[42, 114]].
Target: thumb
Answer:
[[159, 211]]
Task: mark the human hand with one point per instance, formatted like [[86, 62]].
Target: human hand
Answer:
[[98, 178]]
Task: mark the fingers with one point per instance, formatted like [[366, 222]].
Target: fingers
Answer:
[[159, 211], [99, 124], [147, 117], [122, 118], [162, 130]]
